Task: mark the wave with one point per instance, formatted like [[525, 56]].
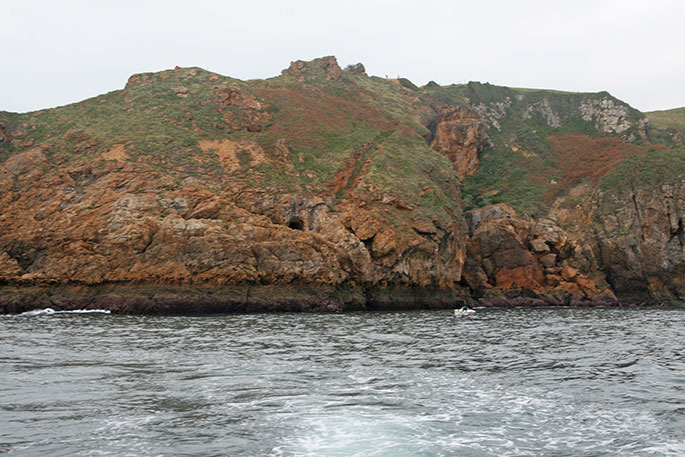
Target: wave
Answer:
[[50, 311]]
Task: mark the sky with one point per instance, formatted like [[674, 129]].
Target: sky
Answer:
[[54, 53]]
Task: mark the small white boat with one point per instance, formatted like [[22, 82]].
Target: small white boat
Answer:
[[464, 312]]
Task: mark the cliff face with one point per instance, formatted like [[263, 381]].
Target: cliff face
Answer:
[[459, 134], [642, 245], [326, 189]]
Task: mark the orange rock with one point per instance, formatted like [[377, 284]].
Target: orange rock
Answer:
[[587, 285], [552, 280], [384, 243], [459, 134], [568, 273], [519, 278], [570, 288], [548, 260], [9, 268], [206, 210]]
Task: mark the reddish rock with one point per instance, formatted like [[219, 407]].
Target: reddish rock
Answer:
[[539, 246], [570, 289], [552, 280], [476, 217], [459, 134], [519, 278], [326, 66], [264, 201], [424, 227], [206, 210], [568, 273], [548, 260], [9, 268]]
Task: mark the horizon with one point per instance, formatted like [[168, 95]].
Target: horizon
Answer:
[[342, 66], [624, 47]]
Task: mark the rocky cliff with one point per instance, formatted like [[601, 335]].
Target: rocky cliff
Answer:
[[327, 189]]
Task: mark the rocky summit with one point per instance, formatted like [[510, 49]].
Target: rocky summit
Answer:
[[325, 189]]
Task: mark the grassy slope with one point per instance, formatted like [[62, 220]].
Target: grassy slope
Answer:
[[529, 163], [325, 123], [668, 119], [647, 171]]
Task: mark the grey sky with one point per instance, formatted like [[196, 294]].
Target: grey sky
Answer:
[[59, 52]]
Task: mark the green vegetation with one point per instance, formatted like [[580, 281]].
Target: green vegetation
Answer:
[[668, 119], [667, 127], [531, 159], [506, 176], [404, 82], [407, 169], [321, 131], [486, 93], [647, 171]]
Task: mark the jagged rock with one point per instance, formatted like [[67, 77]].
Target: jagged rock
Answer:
[[548, 260], [609, 116], [356, 68], [9, 267], [539, 246], [545, 110], [315, 191], [326, 66], [643, 247], [479, 216], [459, 134], [568, 273]]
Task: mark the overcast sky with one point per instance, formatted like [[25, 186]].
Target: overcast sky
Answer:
[[59, 52]]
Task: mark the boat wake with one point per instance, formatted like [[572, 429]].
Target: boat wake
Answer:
[[50, 311]]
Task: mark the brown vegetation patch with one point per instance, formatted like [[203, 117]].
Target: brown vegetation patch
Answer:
[[229, 152], [306, 114], [582, 157], [116, 152]]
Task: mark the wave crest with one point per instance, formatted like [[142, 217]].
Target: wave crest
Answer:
[[50, 311]]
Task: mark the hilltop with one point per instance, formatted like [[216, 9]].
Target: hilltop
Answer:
[[670, 123], [327, 189]]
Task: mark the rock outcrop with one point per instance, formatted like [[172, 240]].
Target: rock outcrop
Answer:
[[609, 116], [356, 68], [510, 257], [324, 66], [642, 244], [328, 190], [459, 134]]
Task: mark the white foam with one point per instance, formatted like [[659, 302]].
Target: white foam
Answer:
[[50, 311]]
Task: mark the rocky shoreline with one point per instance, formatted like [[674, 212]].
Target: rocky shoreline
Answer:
[[329, 190], [149, 299]]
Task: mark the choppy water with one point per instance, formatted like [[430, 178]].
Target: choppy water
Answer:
[[554, 382]]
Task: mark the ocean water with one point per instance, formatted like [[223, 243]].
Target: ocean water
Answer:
[[552, 382]]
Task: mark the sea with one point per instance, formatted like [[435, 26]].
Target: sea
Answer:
[[503, 382]]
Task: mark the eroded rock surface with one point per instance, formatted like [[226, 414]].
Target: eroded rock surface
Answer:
[[459, 134], [315, 191]]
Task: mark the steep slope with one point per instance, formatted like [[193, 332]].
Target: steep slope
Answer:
[[324, 189], [670, 125], [538, 140]]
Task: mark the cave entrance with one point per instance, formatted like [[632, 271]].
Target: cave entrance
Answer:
[[296, 223]]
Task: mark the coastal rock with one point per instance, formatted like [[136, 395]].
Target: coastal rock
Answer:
[[325, 66], [643, 246], [322, 190], [356, 68], [545, 110], [479, 216], [459, 134], [610, 116]]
